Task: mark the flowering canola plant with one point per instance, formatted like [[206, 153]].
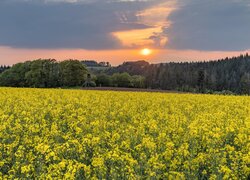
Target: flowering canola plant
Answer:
[[78, 134]]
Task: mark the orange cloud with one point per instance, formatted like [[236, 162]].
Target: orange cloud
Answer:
[[154, 17]]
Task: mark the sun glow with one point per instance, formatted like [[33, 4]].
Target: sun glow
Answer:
[[146, 52]]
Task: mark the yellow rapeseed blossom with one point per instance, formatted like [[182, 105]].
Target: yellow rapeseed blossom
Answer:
[[77, 134]]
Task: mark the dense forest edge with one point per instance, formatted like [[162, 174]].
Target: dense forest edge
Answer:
[[225, 76]]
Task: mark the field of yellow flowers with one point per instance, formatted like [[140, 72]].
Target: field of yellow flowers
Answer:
[[76, 134]]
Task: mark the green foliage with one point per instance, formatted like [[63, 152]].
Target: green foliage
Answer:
[[222, 75], [15, 76], [103, 80], [229, 74], [45, 73], [245, 83], [122, 80], [3, 68], [138, 81], [72, 73]]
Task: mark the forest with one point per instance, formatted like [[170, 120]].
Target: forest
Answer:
[[229, 75]]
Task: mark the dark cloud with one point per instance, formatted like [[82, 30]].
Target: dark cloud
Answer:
[[88, 24], [67, 24], [210, 25]]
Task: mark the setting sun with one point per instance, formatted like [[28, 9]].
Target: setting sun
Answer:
[[146, 52]]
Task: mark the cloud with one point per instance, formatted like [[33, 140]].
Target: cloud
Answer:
[[54, 24], [210, 25], [101, 24]]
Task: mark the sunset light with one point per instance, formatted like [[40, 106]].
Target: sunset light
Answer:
[[146, 52]]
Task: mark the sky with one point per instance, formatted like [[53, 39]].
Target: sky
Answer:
[[117, 30]]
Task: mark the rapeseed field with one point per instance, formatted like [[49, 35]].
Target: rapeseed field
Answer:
[[78, 134]]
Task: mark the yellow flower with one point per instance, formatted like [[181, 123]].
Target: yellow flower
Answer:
[[97, 162], [77, 134]]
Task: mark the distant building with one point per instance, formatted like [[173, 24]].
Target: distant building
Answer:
[[89, 82]]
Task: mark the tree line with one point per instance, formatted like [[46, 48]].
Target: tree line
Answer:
[[48, 73], [120, 80], [230, 75], [44, 74], [223, 75]]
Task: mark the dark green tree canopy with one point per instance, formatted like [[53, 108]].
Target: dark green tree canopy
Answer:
[[72, 73], [44, 73]]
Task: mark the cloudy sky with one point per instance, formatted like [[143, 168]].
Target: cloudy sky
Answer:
[[116, 30]]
